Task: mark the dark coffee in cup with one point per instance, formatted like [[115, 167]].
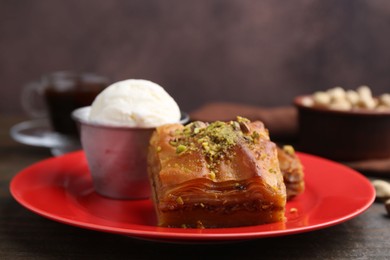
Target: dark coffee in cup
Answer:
[[66, 91]]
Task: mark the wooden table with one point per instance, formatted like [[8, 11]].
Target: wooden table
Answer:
[[25, 235]]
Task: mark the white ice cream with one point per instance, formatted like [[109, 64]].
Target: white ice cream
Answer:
[[134, 103]]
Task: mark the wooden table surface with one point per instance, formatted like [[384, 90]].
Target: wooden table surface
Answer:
[[25, 235]]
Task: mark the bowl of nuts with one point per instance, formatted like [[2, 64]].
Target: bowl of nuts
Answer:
[[344, 125]]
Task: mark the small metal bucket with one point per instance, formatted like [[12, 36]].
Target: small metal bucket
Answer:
[[117, 157]]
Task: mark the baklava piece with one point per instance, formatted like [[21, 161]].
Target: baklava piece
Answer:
[[223, 174], [292, 171]]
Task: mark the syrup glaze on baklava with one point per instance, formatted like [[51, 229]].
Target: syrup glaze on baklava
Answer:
[[292, 171], [222, 174]]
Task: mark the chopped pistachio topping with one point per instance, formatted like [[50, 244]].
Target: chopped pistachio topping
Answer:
[[214, 140], [212, 176], [289, 149], [255, 135], [181, 148], [243, 120], [272, 170], [245, 127]]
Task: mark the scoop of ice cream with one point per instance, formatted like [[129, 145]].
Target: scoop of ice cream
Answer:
[[134, 103]]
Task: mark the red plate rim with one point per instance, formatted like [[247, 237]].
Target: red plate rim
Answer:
[[345, 176]]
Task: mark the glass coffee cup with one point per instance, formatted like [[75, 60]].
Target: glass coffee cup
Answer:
[[57, 94]]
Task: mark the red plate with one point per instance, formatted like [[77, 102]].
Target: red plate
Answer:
[[60, 189]]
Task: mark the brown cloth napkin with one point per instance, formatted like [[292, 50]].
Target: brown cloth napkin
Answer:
[[282, 123]]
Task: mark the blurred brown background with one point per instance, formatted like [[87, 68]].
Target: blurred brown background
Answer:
[[247, 51]]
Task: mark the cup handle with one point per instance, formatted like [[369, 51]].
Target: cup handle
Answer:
[[32, 100]]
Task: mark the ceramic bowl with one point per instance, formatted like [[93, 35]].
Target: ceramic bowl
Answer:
[[351, 135]]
